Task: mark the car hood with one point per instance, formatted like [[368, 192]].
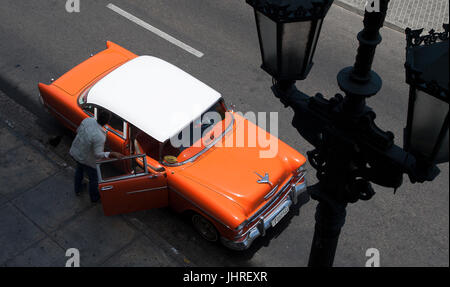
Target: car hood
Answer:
[[235, 171]]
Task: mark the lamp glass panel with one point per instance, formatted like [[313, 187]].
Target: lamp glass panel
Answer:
[[428, 118], [442, 155], [295, 37], [268, 38], [314, 43]]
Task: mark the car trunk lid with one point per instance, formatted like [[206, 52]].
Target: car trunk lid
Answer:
[[83, 74]]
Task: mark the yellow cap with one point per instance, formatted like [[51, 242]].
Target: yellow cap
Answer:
[[170, 159]]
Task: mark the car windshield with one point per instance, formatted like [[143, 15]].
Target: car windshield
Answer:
[[199, 135]]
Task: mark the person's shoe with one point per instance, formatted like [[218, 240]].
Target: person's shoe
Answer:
[[83, 187], [96, 200]]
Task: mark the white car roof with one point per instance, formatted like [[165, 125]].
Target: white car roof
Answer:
[[153, 95]]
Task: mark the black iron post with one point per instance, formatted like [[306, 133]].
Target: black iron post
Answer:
[[358, 83]]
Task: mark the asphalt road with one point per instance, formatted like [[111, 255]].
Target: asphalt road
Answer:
[[39, 40]]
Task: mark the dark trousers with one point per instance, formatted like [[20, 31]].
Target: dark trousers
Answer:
[[93, 180]]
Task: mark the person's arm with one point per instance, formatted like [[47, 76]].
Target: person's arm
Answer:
[[114, 154], [99, 146], [101, 154]]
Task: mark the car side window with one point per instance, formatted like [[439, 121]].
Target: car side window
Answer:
[[117, 126], [116, 123]]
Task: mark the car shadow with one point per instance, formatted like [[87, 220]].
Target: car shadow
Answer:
[[179, 232]]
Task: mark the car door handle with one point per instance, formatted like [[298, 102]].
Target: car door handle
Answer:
[[107, 187], [152, 176]]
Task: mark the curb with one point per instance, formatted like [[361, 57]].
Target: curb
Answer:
[[360, 12], [9, 86]]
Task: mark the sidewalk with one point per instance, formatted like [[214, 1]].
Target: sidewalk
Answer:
[[415, 14], [41, 217]]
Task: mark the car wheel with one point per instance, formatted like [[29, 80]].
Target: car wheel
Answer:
[[205, 228]]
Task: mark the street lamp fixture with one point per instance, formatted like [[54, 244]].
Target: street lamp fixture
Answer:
[[351, 151], [427, 73], [288, 31]]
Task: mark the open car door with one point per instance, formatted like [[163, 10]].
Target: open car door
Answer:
[[126, 186]]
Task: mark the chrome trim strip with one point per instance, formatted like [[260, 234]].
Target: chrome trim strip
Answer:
[[122, 177], [271, 192], [125, 129], [122, 158], [145, 190], [196, 205], [230, 126], [301, 177], [115, 132], [260, 226]]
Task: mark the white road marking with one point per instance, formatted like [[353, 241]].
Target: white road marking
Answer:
[[155, 30]]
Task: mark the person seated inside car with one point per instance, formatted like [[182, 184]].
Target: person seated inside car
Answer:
[[144, 144]]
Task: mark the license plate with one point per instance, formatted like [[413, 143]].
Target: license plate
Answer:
[[280, 216]]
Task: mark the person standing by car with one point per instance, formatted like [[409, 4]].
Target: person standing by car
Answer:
[[87, 148]]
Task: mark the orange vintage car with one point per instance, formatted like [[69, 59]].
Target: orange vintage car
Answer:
[[231, 192]]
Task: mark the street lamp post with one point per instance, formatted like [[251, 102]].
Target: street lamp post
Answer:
[[351, 151]]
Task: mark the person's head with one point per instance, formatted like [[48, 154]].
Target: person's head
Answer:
[[103, 117]]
